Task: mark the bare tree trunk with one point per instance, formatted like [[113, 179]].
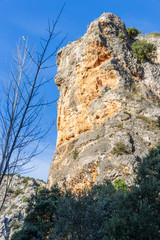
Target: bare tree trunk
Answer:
[[22, 112]]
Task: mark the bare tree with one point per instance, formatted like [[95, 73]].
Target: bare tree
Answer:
[[23, 108]]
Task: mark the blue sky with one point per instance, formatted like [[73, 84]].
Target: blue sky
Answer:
[[29, 18]]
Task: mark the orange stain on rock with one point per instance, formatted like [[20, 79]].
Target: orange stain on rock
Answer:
[[90, 79]]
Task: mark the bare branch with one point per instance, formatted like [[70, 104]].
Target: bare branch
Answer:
[[23, 108]]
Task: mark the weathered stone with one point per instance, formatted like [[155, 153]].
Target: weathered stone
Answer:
[[14, 209], [107, 100]]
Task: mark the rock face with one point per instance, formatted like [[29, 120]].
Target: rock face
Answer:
[[108, 109], [14, 209]]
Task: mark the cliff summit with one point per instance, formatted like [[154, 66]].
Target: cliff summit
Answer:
[[108, 109]]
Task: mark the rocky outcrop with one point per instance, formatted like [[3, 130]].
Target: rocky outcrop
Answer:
[[108, 109], [14, 209]]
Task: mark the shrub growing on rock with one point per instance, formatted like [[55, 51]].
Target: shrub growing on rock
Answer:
[[18, 191], [120, 148], [132, 32], [143, 50], [75, 153], [121, 35], [10, 190], [120, 185], [26, 199]]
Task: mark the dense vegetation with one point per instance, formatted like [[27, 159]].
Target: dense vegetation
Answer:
[[106, 212], [143, 50]]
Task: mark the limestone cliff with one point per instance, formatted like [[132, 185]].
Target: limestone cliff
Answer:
[[108, 109]]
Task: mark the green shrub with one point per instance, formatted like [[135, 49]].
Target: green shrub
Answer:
[[120, 149], [120, 185], [10, 190], [9, 212], [152, 124], [75, 153], [13, 206], [133, 88], [26, 199], [121, 35], [97, 137], [38, 189], [132, 32], [18, 183], [25, 179], [120, 125], [16, 215], [30, 232], [25, 185], [18, 191], [143, 50]]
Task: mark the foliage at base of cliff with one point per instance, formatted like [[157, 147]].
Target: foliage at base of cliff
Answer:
[[104, 212]]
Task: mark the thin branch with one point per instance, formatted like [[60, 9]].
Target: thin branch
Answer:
[[23, 109]]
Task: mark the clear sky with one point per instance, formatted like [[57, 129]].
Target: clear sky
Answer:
[[29, 18]]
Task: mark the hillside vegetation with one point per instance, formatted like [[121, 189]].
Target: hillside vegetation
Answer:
[[107, 211]]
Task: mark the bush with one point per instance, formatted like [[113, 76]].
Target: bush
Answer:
[[16, 215], [121, 35], [10, 190], [25, 179], [9, 212], [18, 191], [120, 125], [152, 124], [25, 185], [120, 149], [13, 206], [132, 32], [75, 153], [26, 199], [143, 50], [120, 185]]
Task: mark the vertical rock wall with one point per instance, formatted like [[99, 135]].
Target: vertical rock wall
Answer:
[[103, 90]]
